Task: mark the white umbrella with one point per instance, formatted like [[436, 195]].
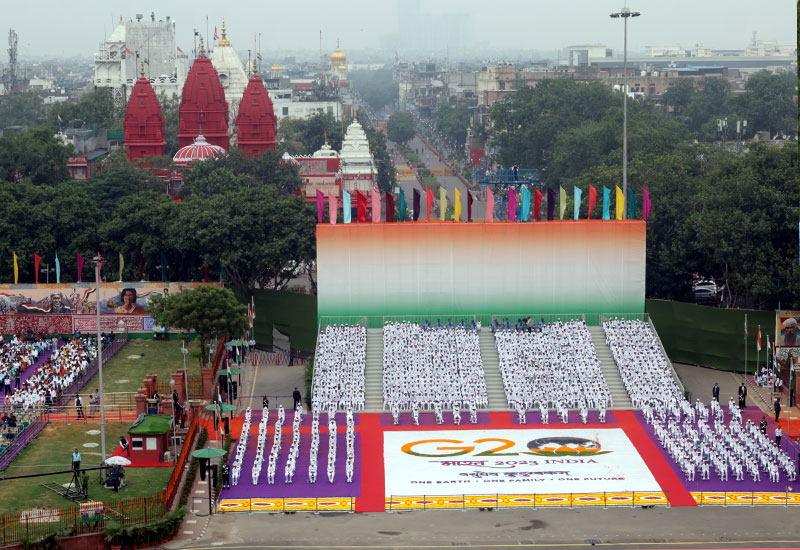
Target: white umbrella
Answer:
[[118, 461]]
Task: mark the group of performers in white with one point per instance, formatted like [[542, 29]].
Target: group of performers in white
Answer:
[[339, 366]]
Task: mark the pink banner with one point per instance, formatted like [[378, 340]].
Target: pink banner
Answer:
[[333, 207], [646, 206], [489, 205], [512, 205], [80, 268], [320, 205], [376, 206]]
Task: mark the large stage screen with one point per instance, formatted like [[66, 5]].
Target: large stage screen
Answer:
[[584, 266]]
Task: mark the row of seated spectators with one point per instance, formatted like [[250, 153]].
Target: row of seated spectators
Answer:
[[431, 369], [553, 365], [339, 366]]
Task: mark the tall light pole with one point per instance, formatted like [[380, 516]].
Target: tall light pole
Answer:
[[97, 261], [625, 14]]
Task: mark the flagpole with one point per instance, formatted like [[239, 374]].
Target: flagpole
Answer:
[[745, 346], [758, 349]]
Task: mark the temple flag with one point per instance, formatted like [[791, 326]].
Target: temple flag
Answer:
[[442, 203], [320, 205], [470, 199], [562, 204], [592, 200], [16, 268], [489, 205], [402, 209], [121, 266], [417, 201], [376, 206], [537, 204], [333, 208], [512, 205], [551, 203], [645, 204], [389, 208], [619, 203], [58, 270], [347, 207], [577, 206], [37, 261], [606, 203], [361, 207], [80, 268], [429, 203], [526, 203], [457, 206], [631, 204]]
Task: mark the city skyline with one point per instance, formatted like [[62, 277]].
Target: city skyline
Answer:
[[361, 26]]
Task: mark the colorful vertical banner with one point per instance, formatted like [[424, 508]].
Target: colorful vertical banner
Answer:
[[489, 205], [37, 261], [526, 203], [361, 207], [16, 268], [80, 268], [121, 266], [403, 208], [469, 205], [428, 203], [606, 203], [537, 204], [619, 204], [457, 205], [551, 203], [562, 203], [577, 206], [645, 204], [58, 270], [320, 205], [333, 208], [442, 203], [512, 205], [376, 206], [631, 204], [347, 207], [592, 200], [417, 202], [389, 208]]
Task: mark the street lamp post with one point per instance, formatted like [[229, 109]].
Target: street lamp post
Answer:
[[47, 270], [184, 351], [625, 14], [97, 260]]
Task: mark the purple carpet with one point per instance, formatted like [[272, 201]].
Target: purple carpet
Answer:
[[43, 356], [300, 487], [714, 484]]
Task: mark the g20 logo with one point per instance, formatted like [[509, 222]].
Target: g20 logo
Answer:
[[545, 446]]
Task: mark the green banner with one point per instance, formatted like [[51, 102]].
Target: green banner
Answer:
[[709, 336]]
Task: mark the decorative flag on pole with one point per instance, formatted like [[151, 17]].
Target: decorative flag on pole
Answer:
[[37, 261], [758, 339], [592, 200], [179, 49], [469, 205], [562, 204], [376, 206], [457, 205], [577, 205], [442, 203], [163, 268], [645, 204], [216, 36], [429, 203], [512, 205], [320, 205], [80, 268], [389, 208], [58, 270], [770, 361], [253, 306], [347, 207], [551, 203], [333, 208], [121, 266], [631, 204], [526, 203], [417, 200], [606, 203], [746, 332], [619, 203], [16, 268], [361, 206], [537, 204], [489, 205], [402, 209]]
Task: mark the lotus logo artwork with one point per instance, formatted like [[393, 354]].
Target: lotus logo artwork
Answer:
[[565, 446]]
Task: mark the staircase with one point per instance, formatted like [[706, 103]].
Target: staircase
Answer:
[[609, 368], [491, 372], [373, 377]]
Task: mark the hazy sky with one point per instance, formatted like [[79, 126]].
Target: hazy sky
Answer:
[[67, 28]]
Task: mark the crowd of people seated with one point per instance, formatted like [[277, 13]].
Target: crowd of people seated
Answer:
[[339, 367], [550, 365], [434, 368]]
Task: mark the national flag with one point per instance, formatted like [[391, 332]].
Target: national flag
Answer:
[[253, 306], [428, 203], [562, 205], [389, 208], [458, 206], [325, 134], [37, 261], [58, 270], [606, 203], [347, 207], [320, 205], [537, 204], [121, 266], [16, 268], [577, 201], [442, 203], [376, 206], [489, 205], [592, 200], [645, 204], [333, 208], [416, 206], [179, 49], [619, 203], [512, 205], [758, 339], [470, 200]]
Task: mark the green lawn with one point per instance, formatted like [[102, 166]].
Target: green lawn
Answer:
[[52, 451], [139, 357]]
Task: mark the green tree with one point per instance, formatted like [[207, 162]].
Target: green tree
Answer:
[[314, 129], [400, 127], [377, 88], [770, 103], [452, 121], [22, 110], [92, 109], [207, 310], [34, 155]]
